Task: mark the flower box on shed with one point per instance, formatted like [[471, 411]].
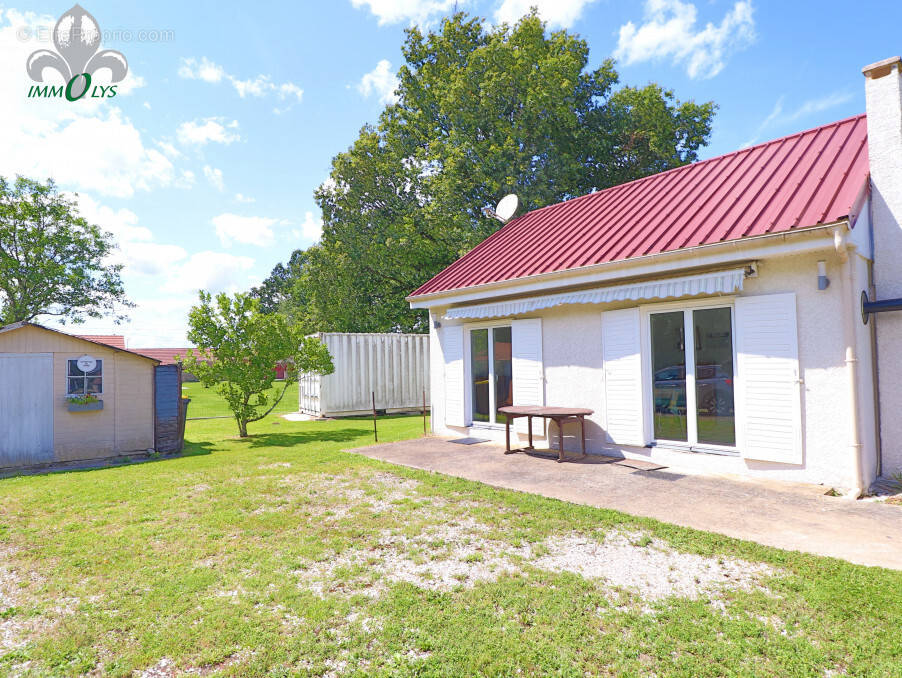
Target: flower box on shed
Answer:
[[84, 407]]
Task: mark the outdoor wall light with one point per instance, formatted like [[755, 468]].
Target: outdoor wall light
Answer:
[[823, 282], [436, 324]]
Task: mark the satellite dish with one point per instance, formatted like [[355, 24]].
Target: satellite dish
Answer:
[[507, 207], [86, 363]]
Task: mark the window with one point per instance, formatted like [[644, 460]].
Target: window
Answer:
[[692, 376], [84, 383], [491, 372]]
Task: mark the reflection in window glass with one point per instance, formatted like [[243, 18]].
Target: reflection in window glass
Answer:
[[502, 368], [714, 376], [669, 376], [479, 371]]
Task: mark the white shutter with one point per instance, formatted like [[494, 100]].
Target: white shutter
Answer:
[[621, 353], [527, 371], [768, 402], [452, 340]]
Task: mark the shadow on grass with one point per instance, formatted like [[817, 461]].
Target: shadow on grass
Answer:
[[341, 435], [108, 464]]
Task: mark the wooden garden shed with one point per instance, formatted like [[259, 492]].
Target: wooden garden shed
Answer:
[[68, 399]]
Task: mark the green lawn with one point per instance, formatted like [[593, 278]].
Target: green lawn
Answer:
[[280, 555], [206, 402]]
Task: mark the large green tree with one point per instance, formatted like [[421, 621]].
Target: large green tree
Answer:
[[52, 261], [480, 112], [238, 347]]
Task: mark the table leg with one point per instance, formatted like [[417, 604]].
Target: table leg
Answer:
[[560, 439], [582, 434], [507, 433], [529, 426]]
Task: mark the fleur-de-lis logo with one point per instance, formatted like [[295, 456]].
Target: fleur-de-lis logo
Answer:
[[76, 37]]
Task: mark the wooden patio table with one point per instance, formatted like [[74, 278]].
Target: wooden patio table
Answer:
[[559, 415]]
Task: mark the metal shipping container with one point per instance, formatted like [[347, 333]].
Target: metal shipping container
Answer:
[[394, 366]]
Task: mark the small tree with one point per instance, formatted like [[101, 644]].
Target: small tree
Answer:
[[238, 349], [52, 261]]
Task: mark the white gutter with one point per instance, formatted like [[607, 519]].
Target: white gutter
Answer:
[[842, 245]]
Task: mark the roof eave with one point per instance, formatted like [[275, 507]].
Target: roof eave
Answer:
[[673, 259]]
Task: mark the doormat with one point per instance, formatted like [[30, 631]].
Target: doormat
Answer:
[[469, 441]]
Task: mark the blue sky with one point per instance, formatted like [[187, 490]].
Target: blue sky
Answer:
[[205, 165]]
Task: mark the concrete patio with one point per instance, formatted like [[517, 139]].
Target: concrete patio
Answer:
[[785, 515]]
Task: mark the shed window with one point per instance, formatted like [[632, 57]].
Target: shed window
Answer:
[[84, 383]]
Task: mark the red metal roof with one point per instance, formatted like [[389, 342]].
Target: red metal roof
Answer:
[[114, 340], [809, 178]]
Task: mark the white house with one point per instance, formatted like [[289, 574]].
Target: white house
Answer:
[[711, 315]]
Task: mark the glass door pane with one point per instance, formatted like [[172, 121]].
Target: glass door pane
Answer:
[[502, 367], [714, 376], [479, 371], [668, 357]]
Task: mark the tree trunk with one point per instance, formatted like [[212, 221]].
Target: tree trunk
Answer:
[[242, 428]]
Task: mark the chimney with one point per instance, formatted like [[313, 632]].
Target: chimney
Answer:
[[883, 92]]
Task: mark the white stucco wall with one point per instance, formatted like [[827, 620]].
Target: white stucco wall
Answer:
[[574, 377]]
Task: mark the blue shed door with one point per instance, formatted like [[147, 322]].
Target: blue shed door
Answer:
[[167, 400]]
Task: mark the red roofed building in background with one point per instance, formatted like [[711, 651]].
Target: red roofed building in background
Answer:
[[114, 340], [717, 317], [171, 356]]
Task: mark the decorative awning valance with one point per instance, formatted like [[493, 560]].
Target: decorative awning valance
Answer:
[[719, 282]]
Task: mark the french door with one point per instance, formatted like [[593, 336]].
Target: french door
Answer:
[[692, 376], [491, 372]]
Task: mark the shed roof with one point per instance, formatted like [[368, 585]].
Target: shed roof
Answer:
[[19, 325], [803, 180]]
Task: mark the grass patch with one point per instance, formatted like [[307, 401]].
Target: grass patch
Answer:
[[206, 402], [280, 555]]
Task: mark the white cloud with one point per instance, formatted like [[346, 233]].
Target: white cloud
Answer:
[[813, 106], [777, 119], [137, 250], [408, 11], [259, 87], [168, 149], [240, 197], [214, 176], [186, 179], [232, 228], [122, 223], [311, 230], [380, 81], [130, 84], [165, 277], [205, 70], [206, 130], [669, 31], [560, 13], [209, 270], [104, 154]]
